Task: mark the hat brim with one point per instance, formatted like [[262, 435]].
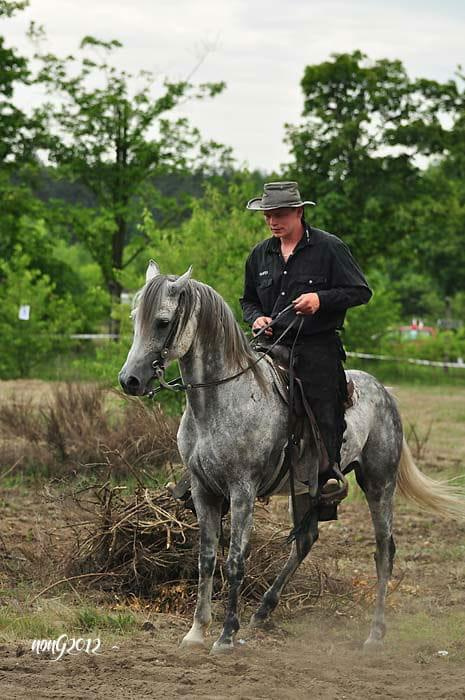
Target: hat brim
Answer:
[[255, 205]]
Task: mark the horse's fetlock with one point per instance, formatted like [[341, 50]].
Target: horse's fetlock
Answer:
[[270, 600], [231, 624]]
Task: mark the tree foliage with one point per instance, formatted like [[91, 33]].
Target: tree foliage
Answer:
[[364, 124], [111, 133]]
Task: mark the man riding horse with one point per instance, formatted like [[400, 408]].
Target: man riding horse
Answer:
[[313, 271], [316, 272]]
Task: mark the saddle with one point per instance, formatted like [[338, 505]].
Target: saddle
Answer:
[[280, 355]]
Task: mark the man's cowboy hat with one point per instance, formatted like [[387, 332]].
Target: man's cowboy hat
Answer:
[[277, 195]]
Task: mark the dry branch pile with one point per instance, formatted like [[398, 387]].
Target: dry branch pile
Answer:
[[148, 545]]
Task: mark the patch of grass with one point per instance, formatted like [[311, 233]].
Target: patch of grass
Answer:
[[52, 618], [441, 631], [90, 619], [49, 620]]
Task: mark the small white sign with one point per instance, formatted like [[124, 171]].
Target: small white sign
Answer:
[[24, 311]]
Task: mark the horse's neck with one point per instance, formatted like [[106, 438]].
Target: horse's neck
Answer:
[[204, 364]]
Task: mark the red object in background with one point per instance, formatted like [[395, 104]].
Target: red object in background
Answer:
[[416, 331]]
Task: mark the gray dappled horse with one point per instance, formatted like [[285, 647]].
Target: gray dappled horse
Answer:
[[232, 437]]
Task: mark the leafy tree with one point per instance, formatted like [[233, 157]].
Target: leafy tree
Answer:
[[216, 240], [15, 141], [113, 138], [364, 123], [366, 327]]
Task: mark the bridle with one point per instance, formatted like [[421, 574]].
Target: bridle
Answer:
[[177, 384]]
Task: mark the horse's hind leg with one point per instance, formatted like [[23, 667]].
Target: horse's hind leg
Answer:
[[380, 502], [208, 509], [305, 541], [242, 503]]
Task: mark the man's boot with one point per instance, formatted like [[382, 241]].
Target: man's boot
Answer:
[[331, 494]]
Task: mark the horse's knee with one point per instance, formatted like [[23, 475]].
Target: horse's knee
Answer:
[[206, 565]]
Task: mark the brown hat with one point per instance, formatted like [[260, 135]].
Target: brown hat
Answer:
[[277, 195]]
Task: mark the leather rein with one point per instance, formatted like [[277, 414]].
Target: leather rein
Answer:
[[177, 383]]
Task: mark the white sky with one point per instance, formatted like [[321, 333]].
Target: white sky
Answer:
[[261, 48]]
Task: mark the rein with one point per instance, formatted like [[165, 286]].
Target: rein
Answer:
[[178, 385]]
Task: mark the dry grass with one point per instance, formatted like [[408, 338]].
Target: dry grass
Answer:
[[437, 414], [78, 426]]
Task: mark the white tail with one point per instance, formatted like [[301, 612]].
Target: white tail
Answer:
[[436, 496]]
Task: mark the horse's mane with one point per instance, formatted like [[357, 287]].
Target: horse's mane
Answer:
[[215, 320]]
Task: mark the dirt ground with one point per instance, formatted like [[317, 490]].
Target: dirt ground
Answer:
[[316, 653]]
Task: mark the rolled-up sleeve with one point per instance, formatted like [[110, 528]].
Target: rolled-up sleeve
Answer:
[[249, 301], [348, 286]]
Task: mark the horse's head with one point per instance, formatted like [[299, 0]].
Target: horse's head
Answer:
[[164, 328]]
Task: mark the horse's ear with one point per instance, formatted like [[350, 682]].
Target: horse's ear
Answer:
[[179, 284], [152, 271]]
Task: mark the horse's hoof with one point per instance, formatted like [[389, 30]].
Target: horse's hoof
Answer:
[[373, 646], [261, 623], [222, 647], [192, 643]]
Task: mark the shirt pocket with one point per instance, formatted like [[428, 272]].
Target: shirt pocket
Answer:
[[307, 282], [265, 293]]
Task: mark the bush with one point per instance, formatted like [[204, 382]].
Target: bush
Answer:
[[366, 326], [80, 429], [52, 319]]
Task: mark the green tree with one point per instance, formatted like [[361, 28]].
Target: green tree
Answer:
[[111, 134], [364, 123], [367, 327], [216, 240], [15, 125]]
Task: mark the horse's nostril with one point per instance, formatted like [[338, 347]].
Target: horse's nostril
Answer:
[[132, 382], [129, 385]]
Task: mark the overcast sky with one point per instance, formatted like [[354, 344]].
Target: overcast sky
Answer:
[[258, 47]]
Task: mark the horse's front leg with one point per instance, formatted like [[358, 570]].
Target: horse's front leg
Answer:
[[242, 503], [208, 509], [305, 541]]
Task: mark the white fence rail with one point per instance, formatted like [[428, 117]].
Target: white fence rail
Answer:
[[361, 355], [407, 360]]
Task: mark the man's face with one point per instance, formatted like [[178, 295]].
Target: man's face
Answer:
[[285, 221]]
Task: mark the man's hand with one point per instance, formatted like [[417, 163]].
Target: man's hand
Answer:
[[307, 304], [260, 322]]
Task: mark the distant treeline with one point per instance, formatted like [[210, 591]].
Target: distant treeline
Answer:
[[102, 176]]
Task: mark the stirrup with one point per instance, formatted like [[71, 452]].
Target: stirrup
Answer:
[[329, 500], [335, 493]]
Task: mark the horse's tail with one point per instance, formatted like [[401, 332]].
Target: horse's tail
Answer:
[[437, 496]]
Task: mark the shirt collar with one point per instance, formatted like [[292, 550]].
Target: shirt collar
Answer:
[[308, 238]]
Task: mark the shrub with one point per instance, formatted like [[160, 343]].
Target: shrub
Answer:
[[84, 427]]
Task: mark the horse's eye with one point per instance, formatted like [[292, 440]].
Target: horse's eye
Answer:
[[162, 323]]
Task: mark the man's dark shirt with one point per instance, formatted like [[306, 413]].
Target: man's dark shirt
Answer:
[[319, 263]]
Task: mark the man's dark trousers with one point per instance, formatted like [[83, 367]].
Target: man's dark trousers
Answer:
[[318, 364]]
